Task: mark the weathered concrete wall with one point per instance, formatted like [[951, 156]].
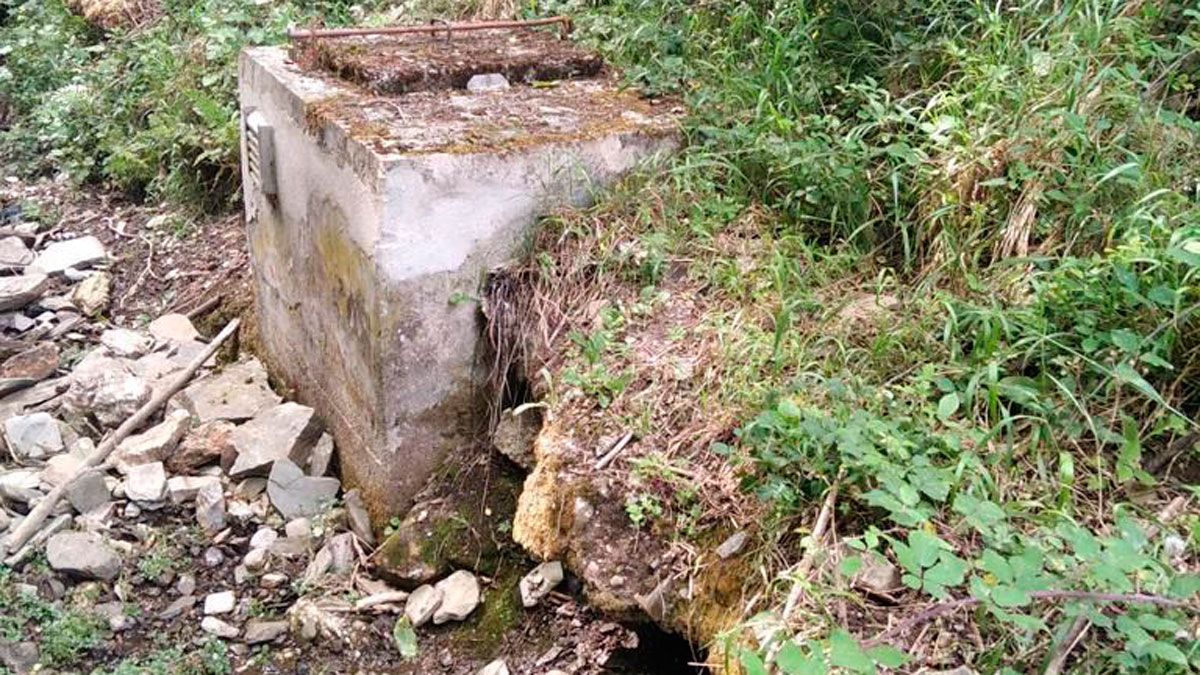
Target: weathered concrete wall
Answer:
[[359, 259]]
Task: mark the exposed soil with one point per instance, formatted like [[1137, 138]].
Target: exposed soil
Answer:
[[388, 65]]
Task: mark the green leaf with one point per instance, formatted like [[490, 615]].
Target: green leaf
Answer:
[[1128, 375], [793, 661], [947, 406], [753, 663], [845, 652], [405, 638], [1010, 596], [888, 656], [1167, 652]]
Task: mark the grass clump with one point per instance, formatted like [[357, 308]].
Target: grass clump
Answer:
[[937, 258]]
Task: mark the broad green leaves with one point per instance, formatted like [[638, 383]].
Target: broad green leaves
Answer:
[[929, 564]]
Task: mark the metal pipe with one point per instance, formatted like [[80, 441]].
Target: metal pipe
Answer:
[[449, 28]]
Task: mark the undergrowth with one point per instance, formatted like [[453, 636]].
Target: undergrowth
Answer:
[[931, 264]]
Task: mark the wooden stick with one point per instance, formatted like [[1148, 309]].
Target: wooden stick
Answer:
[[45, 533], [39, 513]]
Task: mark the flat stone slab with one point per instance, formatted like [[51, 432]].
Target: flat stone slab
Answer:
[[83, 554], [77, 253], [460, 597], [33, 436], [155, 444], [235, 394], [297, 495], [286, 431], [16, 292]]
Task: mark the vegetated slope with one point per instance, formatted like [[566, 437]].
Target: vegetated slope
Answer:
[[931, 266]]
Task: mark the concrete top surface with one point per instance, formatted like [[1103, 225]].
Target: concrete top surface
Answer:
[[391, 64], [455, 120]]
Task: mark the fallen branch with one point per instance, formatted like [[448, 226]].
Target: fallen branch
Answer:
[[39, 513], [943, 608], [47, 532]]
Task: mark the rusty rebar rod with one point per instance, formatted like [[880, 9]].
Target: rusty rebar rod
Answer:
[[432, 28]]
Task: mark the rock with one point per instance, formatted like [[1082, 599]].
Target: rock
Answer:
[[250, 488], [19, 657], [173, 328], [273, 580], [296, 495], [178, 607], [213, 556], [210, 508], [146, 482], [71, 253], [89, 492], [256, 559], [109, 396], [515, 434], [259, 631], [16, 292], [298, 528], [309, 620], [203, 446], [360, 520], [263, 538], [125, 343], [487, 82], [237, 393], [153, 445], [214, 626], [733, 545], [183, 489], [33, 436], [20, 479], [341, 552], [497, 667], [83, 554], [91, 296], [36, 363], [421, 605], [286, 431], [877, 575], [14, 253], [539, 582], [318, 566], [186, 584], [59, 468], [460, 597], [114, 614], [219, 603], [321, 455], [433, 539]]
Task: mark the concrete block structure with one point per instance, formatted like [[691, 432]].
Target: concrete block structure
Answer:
[[380, 192]]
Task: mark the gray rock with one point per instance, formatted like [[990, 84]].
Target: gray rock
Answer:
[[210, 508], [213, 556], [298, 528], [33, 436], [183, 489], [287, 431], [421, 605], [59, 468], [125, 343], [19, 657], [114, 614], [16, 292], [263, 538], [186, 584], [318, 566], [877, 575], [341, 552], [146, 482], [256, 560], [178, 607], [219, 603], [515, 435], [235, 394], [321, 456], [497, 667], [214, 626], [360, 520], [173, 328], [539, 582], [460, 597], [733, 545], [89, 492], [272, 580], [71, 253], [155, 444], [296, 495], [83, 554], [105, 390], [259, 631], [483, 83], [92, 294], [14, 253]]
